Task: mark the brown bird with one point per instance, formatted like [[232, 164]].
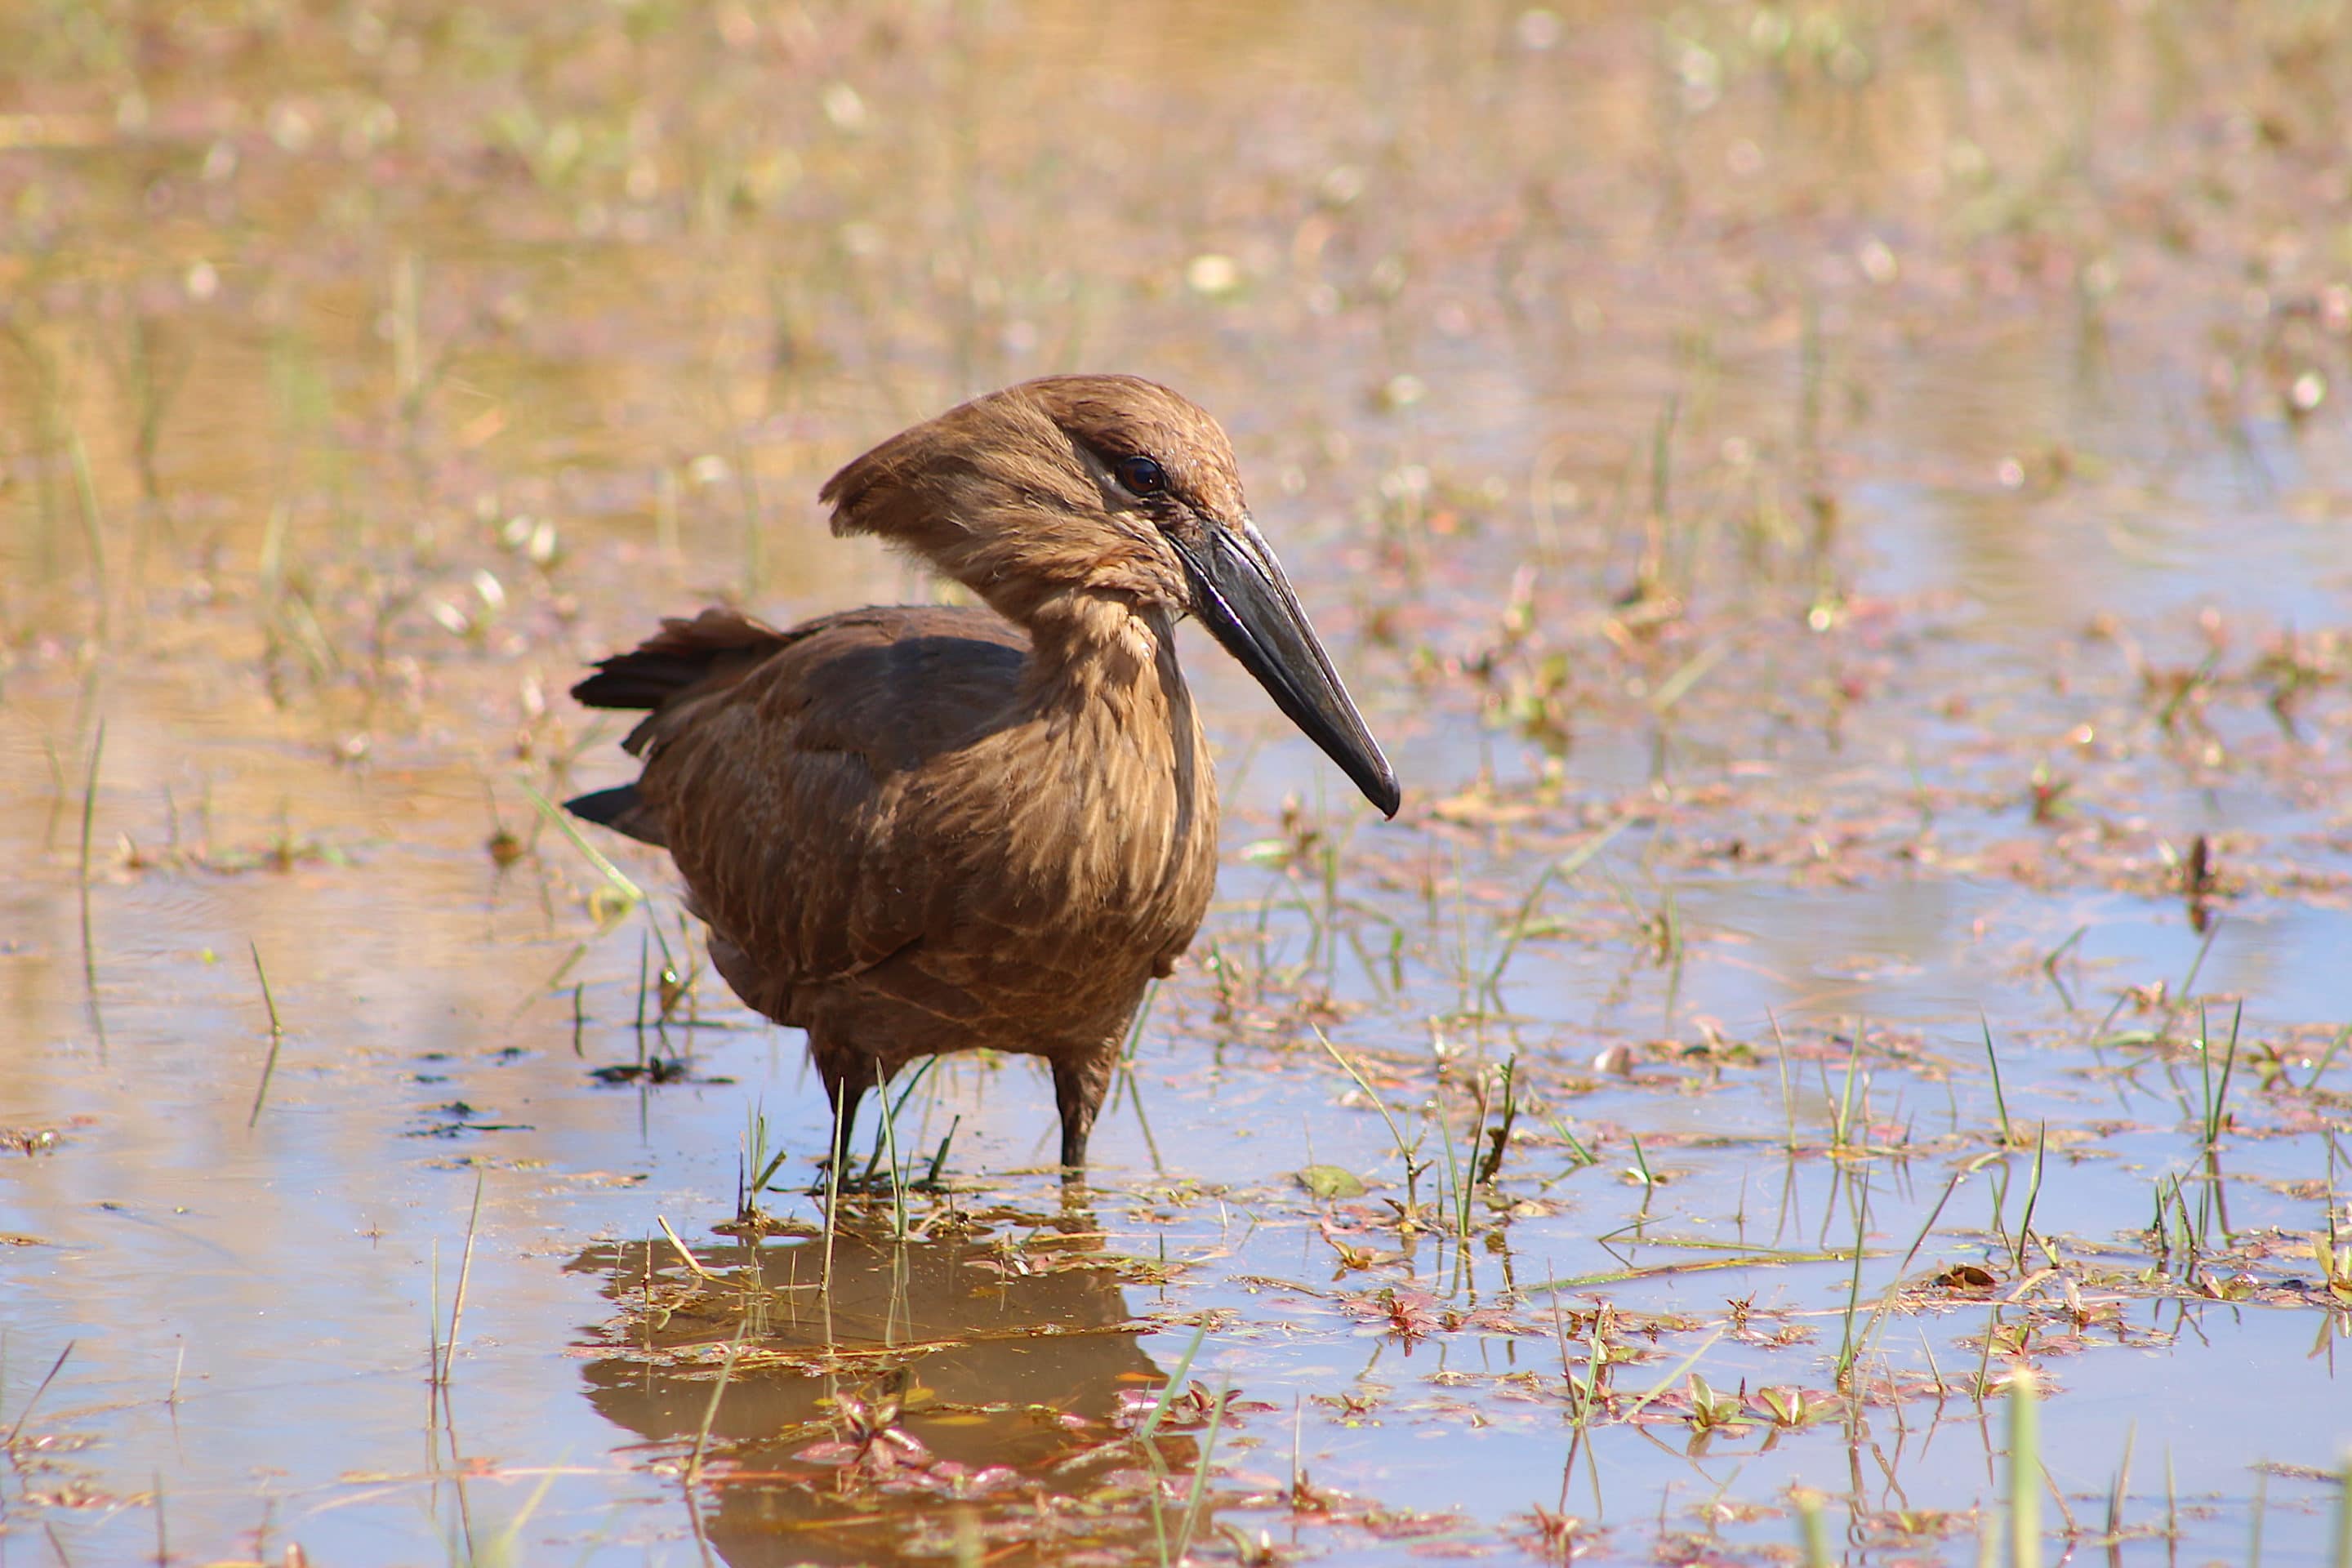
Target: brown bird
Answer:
[[914, 830]]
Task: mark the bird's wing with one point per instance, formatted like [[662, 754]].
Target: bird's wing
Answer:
[[781, 790]]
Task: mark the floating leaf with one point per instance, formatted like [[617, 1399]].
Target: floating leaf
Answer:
[[1332, 1182]]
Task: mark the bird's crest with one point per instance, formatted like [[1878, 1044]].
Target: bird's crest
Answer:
[[1016, 494]]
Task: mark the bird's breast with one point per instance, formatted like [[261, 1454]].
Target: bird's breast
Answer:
[[1101, 842]]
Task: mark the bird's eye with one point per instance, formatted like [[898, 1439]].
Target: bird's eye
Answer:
[[1141, 475]]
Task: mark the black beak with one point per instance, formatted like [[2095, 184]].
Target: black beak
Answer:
[[1242, 596]]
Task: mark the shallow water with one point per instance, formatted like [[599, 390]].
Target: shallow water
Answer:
[[1828, 511]]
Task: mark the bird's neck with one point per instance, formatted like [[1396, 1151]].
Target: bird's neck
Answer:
[[1123, 771], [1104, 656]]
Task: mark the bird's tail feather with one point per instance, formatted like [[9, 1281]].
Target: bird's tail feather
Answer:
[[716, 647], [621, 809], [683, 660]]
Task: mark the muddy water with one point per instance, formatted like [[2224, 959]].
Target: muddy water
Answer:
[[1830, 508]]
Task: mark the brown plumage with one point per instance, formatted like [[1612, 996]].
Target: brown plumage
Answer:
[[914, 830]]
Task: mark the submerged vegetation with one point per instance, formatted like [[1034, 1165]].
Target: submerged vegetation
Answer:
[[1837, 509]]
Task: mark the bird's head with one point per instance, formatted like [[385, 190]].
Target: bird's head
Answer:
[[1107, 491]]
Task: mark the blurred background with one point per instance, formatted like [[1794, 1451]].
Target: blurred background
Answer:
[[1839, 510]]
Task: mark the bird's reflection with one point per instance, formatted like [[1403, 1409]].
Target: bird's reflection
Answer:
[[922, 1393]]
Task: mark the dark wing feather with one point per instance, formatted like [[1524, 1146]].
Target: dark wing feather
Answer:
[[685, 659], [782, 788]]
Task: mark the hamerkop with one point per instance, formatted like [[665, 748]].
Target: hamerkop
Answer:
[[915, 830]]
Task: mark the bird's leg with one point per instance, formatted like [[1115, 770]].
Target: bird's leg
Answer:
[[1079, 1086]]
